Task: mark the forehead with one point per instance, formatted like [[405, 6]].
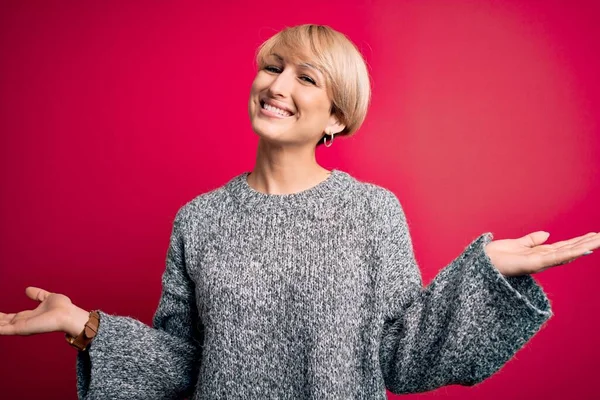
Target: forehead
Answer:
[[299, 57], [296, 53]]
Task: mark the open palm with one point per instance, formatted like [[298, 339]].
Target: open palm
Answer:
[[48, 316], [528, 254]]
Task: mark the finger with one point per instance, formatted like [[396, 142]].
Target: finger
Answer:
[[561, 257], [534, 239], [21, 315], [571, 241], [588, 243], [12, 317], [7, 330], [37, 294], [18, 326], [11, 323], [6, 318]]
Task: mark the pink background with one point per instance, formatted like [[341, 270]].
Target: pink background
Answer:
[[114, 114]]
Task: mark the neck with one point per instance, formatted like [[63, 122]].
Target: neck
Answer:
[[285, 170]]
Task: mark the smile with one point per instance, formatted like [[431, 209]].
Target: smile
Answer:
[[273, 111]]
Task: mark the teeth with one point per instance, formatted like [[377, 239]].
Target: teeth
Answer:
[[276, 110]]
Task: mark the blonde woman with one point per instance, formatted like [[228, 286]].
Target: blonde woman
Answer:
[[295, 282]]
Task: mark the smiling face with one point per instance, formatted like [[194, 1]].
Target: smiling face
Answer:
[[289, 102]]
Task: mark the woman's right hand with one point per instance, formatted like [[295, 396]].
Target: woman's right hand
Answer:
[[55, 313]]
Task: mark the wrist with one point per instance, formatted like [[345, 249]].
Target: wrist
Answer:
[[75, 320]]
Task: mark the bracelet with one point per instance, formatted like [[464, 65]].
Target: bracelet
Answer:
[[82, 341]]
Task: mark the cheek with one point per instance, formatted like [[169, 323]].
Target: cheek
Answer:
[[261, 81], [253, 98], [253, 89], [259, 84], [316, 107]]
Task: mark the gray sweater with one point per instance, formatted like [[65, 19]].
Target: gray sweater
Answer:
[[313, 295]]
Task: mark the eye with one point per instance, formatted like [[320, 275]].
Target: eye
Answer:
[[308, 79], [273, 69]]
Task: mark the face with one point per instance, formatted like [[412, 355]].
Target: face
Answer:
[[289, 103]]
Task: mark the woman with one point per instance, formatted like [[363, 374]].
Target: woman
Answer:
[[297, 282]]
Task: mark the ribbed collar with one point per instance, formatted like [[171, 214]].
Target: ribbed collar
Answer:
[[315, 198]]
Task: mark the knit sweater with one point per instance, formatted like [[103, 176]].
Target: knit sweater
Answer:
[[312, 295]]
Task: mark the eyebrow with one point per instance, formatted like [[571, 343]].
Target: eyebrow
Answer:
[[302, 65]]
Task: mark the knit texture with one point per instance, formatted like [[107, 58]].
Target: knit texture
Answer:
[[313, 295]]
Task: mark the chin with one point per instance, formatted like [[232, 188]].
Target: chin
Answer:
[[271, 138], [266, 130]]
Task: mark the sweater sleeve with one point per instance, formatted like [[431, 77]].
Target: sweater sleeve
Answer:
[[130, 360], [460, 329]]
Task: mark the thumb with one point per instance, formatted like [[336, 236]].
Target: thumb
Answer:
[[534, 239], [37, 294]]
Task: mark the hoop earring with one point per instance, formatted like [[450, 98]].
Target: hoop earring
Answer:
[[330, 142]]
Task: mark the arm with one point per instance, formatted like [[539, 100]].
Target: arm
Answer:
[[129, 360], [460, 329]]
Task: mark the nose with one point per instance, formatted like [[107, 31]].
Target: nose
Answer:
[[282, 84]]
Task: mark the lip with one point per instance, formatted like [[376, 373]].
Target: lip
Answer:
[[277, 104], [272, 114]]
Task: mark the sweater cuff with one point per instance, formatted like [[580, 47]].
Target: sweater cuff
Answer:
[[522, 292], [86, 359]]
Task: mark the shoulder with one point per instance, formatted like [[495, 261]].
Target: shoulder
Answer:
[[381, 206], [385, 212], [376, 197], [204, 207], [203, 204]]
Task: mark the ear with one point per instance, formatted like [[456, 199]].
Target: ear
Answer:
[[334, 125]]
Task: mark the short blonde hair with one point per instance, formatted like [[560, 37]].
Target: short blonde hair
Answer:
[[340, 61]]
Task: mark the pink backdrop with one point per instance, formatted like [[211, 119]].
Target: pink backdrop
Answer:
[[114, 114]]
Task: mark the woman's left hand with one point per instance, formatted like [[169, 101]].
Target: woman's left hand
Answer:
[[527, 255]]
